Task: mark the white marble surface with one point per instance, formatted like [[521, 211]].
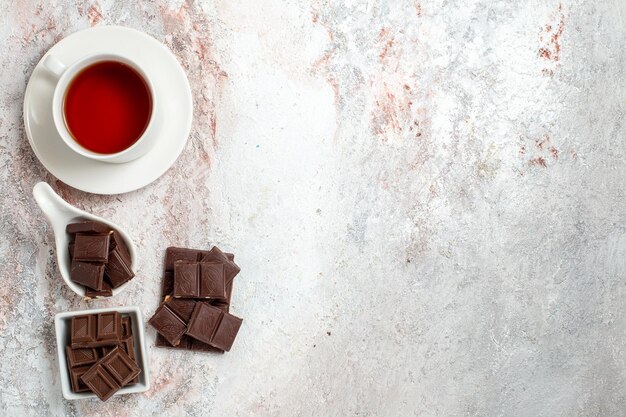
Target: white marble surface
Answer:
[[426, 199]]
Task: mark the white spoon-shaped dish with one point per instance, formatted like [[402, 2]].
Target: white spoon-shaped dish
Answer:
[[60, 214]]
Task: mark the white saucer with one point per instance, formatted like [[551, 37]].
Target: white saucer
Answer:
[[175, 103]]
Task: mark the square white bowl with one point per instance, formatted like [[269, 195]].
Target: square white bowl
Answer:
[[62, 327]]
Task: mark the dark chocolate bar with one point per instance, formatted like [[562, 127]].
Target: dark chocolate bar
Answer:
[[173, 255], [213, 326], [87, 227], [91, 248], [199, 280], [111, 373], [95, 330]]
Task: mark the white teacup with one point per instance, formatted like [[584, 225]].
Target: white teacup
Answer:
[[65, 74]]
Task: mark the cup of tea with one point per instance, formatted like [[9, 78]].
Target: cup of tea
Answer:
[[103, 106]]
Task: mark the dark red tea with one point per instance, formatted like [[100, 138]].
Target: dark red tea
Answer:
[[107, 107]]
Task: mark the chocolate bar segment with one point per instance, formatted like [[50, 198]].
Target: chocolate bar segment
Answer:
[[91, 248], [127, 327], [106, 291], [226, 332], [111, 373], [168, 324], [87, 227], [76, 378], [183, 308], [213, 326], [216, 255], [95, 330], [83, 330], [117, 268], [80, 356], [117, 242], [109, 327], [203, 322], [199, 280], [88, 274], [121, 366], [100, 382]]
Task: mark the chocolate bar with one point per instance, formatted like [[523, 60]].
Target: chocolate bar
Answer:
[[111, 373], [213, 326], [172, 256], [91, 248], [199, 280], [96, 330]]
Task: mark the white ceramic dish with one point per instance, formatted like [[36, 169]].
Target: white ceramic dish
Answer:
[[175, 106], [62, 324], [60, 214]]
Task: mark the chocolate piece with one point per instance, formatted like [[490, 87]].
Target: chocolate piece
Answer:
[[183, 308], [96, 330], [109, 327], [226, 332], [167, 285], [199, 280], [76, 378], [211, 325], [128, 346], [117, 269], [216, 255], [222, 304], [87, 227], [88, 274], [106, 291], [117, 242], [105, 350], [83, 330], [168, 324], [70, 249], [127, 327], [121, 366], [110, 373], [80, 356], [91, 248], [203, 322], [100, 382]]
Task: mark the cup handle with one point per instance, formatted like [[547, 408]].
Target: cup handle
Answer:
[[54, 66]]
